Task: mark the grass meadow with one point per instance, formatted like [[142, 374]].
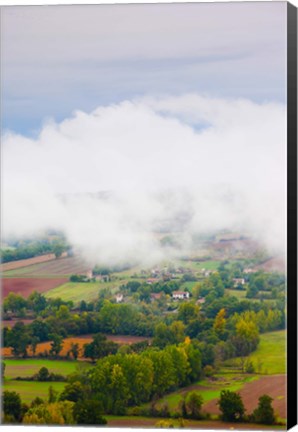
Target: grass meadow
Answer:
[[29, 390], [269, 358], [28, 367], [78, 291]]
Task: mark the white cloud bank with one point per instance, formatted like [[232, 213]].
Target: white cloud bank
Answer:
[[207, 163]]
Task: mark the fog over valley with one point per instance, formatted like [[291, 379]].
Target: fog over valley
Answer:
[[115, 178]]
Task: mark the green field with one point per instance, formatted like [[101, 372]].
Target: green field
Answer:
[[270, 354], [28, 367], [77, 291], [28, 390], [188, 285], [240, 294], [198, 265]]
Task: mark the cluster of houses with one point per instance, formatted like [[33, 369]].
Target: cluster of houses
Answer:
[[176, 295], [100, 278]]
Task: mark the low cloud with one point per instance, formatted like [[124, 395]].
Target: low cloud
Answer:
[[114, 178]]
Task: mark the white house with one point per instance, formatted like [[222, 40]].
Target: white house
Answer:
[[238, 281], [180, 295], [119, 298]]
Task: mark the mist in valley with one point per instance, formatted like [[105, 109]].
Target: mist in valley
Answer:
[[119, 178]]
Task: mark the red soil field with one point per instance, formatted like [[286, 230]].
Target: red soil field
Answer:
[[273, 385], [25, 286]]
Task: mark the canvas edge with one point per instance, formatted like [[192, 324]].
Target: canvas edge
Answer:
[[292, 215]]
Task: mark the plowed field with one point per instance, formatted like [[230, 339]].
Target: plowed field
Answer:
[[53, 268], [27, 262], [25, 286], [273, 385]]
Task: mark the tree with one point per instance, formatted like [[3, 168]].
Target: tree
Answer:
[[58, 249], [73, 392], [182, 406], [164, 372], [52, 395], [12, 405], [220, 322], [40, 330], [37, 302], [119, 390], [19, 339], [264, 413], [14, 303], [57, 413], [247, 337], [99, 347], [74, 350], [56, 345], [89, 412], [43, 374], [231, 406], [34, 342], [194, 404], [188, 312], [3, 366]]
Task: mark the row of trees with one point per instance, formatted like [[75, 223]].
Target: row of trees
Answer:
[[33, 249], [224, 336], [74, 407]]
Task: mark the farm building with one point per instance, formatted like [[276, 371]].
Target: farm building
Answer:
[[238, 281], [155, 296], [180, 295], [200, 301], [150, 281]]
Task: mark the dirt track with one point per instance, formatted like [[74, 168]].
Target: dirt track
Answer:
[[273, 385]]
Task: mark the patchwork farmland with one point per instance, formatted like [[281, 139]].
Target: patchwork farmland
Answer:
[[133, 312]]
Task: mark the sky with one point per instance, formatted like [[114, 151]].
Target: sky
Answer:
[[59, 59], [177, 112]]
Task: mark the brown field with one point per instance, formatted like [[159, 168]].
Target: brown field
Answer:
[[136, 422], [81, 340], [25, 286], [273, 385], [26, 262], [273, 264], [127, 340], [11, 323]]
